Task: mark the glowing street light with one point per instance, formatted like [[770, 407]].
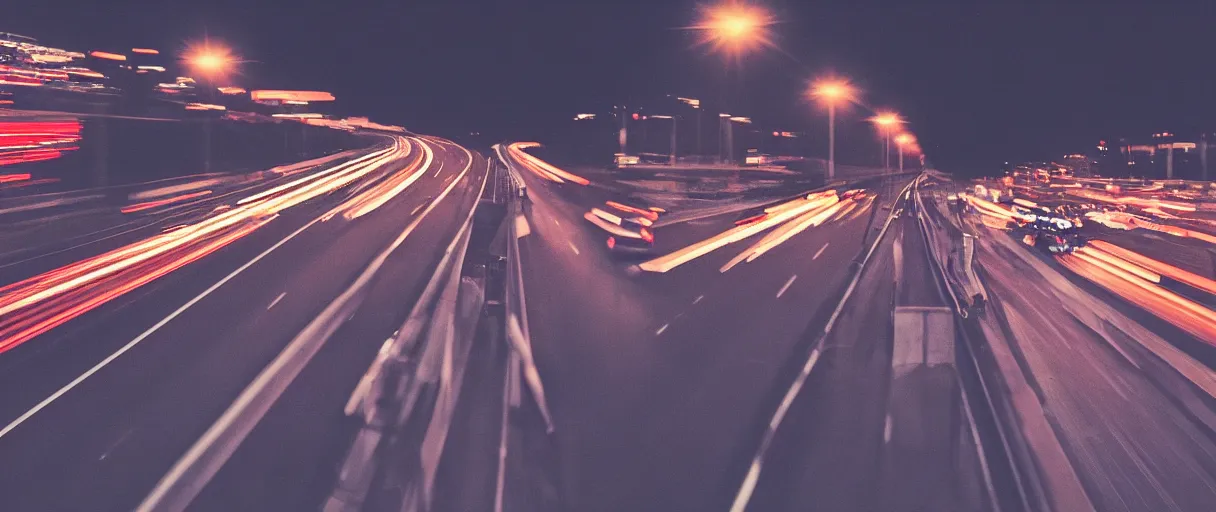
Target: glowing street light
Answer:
[[213, 62], [209, 60], [832, 92], [886, 119], [734, 27], [885, 122], [903, 140]]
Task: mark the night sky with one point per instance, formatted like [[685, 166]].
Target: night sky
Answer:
[[978, 84]]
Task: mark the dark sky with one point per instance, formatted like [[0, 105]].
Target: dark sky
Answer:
[[979, 84]]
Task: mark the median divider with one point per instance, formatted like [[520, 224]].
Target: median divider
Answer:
[[408, 396], [1029, 455], [748, 486], [191, 473], [514, 302]]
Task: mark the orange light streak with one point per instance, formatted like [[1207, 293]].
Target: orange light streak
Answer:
[[107, 55], [153, 204], [33, 306], [1160, 267], [542, 167], [1179, 311]]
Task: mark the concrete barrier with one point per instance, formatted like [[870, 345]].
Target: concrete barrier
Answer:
[[924, 336], [923, 435]]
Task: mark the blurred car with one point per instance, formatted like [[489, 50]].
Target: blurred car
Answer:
[[624, 235], [1054, 234]]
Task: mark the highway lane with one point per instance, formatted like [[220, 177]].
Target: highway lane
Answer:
[[656, 381], [105, 442], [301, 440], [1188, 254], [1120, 412], [832, 450], [1127, 396], [122, 215]]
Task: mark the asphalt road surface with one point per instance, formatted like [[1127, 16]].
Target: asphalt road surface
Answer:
[[657, 382], [1128, 396], [99, 408]]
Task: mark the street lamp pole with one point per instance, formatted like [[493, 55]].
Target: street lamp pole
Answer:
[[211, 62], [831, 141], [886, 151], [699, 152], [901, 158], [903, 140], [673, 141], [885, 122], [831, 91]]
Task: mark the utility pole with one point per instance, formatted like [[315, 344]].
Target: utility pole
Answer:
[[730, 141], [1203, 155], [623, 136], [673, 141], [1169, 162], [699, 152]]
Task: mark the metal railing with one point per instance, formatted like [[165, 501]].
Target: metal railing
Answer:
[[412, 371]]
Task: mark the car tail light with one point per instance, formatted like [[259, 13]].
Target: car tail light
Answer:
[[611, 242], [647, 235], [751, 219]]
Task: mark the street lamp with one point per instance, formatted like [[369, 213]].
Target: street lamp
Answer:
[[673, 135], [885, 122], [831, 92], [696, 105], [209, 60], [901, 141], [212, 62], [734, 28]]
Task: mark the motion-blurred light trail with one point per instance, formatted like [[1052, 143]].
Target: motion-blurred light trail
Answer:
[[541, 167], [1173, 308], [31, 307], [779, 214]]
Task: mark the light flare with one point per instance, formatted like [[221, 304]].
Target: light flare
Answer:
[[735, 28]]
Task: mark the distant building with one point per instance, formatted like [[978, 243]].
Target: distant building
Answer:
[[1166, 155]]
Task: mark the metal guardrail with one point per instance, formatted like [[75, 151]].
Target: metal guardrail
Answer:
[[1030, 489], [521, 368], [514, 302], [748, 486], [178, 488], [409, 363]]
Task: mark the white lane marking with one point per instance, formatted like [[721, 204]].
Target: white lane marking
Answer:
[[749, 485], [572, 247], [886, 430], [792, 393], [787, 286], [276, 300], [76, 382], [198, 465], [439, 169], [419, 207], [110, 450], [556, 222], [820, 251], [698, 299], [661, 329]]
